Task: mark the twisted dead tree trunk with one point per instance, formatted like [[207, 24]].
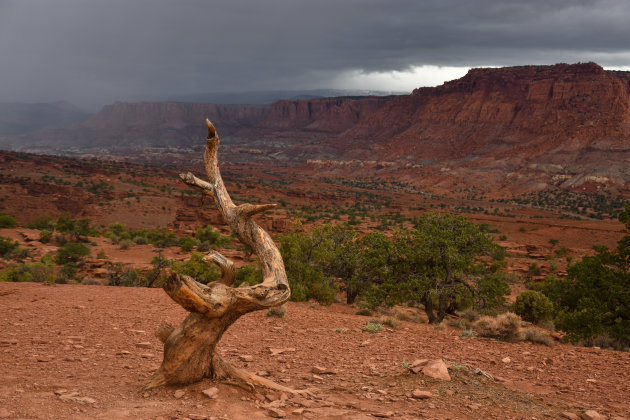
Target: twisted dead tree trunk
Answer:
[[190, 349]]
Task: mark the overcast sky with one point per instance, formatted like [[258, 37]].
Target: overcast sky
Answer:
[[96, 52]]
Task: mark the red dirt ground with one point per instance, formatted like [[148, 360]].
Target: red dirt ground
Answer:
[[84, 339]]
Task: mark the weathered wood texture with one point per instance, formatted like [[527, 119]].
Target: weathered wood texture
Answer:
[[189, 350]]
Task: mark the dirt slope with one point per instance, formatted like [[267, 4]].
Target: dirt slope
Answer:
[[98, 342]]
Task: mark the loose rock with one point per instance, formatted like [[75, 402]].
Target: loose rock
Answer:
[[276, 413], [211, 392], [422, 395], [436, 369], [593, 415]]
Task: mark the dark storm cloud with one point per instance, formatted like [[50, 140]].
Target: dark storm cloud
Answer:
[[95, 52]]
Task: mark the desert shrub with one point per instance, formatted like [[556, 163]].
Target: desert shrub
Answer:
[[458, 323], [605, 342], [42, 222], [212, 236], [389, 321], [441, 326], [491, 290], [7, 247], [117, 228], [467, 334], [533, 269], [364, 312], [248, 275], [504, 327], [91, 282], [72, 252], [156, 277], [112, 237], [537, 336], [101, 255], [75, 229], [306, 256], [196, 268], [7, 221], [277, 312], [33, 272], [533, 306], [161, 237], [126, 244], [373, 326], [45, 236], [204, 246], [121, 276], [188, 243], [140, 240]]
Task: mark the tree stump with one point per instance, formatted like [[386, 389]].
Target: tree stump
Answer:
[[190, 349]]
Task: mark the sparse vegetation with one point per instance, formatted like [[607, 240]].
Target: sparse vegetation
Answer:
[[373, 327], [533, 306], [276, 312], [537, 336], [505, 327], [7, 221]]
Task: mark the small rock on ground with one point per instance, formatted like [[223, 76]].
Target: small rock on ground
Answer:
[[436, 369], [211, 392]]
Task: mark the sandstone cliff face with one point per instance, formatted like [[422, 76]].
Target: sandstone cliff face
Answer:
[[534, 110], [332, 115], [571, 119]]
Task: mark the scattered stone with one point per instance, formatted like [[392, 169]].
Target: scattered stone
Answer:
[[275, 352], [321, 370], [436, 369], [4, 413], [262, 373], [422, 395], [179, 393], [449, 392], [474, 406], [61, 391], [319, 378], [44, 359], [246, 358], [593, 415], [303, 402], [123, 353], [506, 360], [197, 417], [298, 411], [384, 415], [276, 413], [571, 416], [8, 342], [211, 392], [591, 380], [74, 397], [144, 345], [364, 343], [146, 355]]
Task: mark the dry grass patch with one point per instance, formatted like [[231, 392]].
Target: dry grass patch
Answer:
[[505, 327], [537, 336]]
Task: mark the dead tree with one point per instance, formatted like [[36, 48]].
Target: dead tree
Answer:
[[190, 349]]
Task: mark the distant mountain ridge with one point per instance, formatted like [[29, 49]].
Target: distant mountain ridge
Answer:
[[20, 118], [518, 128]]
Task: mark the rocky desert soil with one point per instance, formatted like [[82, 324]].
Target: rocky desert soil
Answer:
[[84, 352]]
